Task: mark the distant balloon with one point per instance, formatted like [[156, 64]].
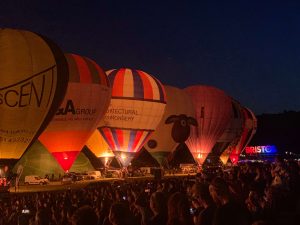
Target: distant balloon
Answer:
[[213, 111], [167, 136], [85, 103], [137, 105], [33, 81], [97, 145], [233, 131], [249, 129]]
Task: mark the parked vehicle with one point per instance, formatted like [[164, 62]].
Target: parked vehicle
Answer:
[[96, 174], [34, 179], [69, 178], [112, 173]]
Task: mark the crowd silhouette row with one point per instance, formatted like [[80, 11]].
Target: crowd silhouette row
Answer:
[[242, 195]]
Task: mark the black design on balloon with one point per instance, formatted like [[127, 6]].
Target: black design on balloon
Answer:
[[181, 127]]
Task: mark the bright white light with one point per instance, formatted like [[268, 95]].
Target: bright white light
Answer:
[[199, 156]]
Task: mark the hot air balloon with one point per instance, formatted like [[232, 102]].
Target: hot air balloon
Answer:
[[232, 131], [86, 101], [213, 111], [174, 126], [249, 129], [33, 81], [97, 145], [137, 105]]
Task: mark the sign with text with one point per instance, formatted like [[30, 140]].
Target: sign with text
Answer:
[[265, 149]]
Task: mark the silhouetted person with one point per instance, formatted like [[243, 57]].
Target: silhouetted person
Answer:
[[179, 210], [205, 202], [228, 211], [158, 206], [120, 215], [85, 215]]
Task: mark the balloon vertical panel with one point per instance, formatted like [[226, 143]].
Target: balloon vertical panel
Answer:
[[33, 81], [86, 100]]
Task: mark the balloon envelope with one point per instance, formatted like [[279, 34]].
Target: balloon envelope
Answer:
[[233, 131], [33, 81], [213, 111], [136, 107], [85, 102], [161, 142], [249, 129]]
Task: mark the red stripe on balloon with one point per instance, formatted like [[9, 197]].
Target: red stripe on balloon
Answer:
[[109, 138], [120, 138], [148, 89], [84, 72], [117, 89], [136, 141]]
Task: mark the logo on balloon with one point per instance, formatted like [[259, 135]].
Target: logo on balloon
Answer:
[[32, 91], [121, 114], [70, 108]]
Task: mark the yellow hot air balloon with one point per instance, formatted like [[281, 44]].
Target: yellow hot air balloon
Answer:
[[100, 148], [136, 108], [174, 127], [86, 100], [33, 81]]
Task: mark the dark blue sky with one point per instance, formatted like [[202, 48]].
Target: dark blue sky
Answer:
[[249, 49]]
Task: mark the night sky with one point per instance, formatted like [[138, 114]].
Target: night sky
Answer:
[[249, 49]]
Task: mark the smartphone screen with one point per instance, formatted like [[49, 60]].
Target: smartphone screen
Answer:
[[25, 211]]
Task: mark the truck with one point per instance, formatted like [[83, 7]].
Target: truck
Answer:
[[34, 179]]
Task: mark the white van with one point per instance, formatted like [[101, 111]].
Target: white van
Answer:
[[96, 174], [34, 179]]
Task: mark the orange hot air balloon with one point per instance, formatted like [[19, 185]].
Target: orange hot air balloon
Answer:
[[85, 103], [249, 129], [137, 105], [174, 127], [232, 131], [100, 148], [33, 81], [213, 111]]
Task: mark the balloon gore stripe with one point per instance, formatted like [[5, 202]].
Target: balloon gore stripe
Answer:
[[144, 86]]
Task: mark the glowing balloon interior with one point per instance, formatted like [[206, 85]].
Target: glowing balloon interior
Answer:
[[85, 102], [213, 111], [100, 148], [33, 81], [136, 107]]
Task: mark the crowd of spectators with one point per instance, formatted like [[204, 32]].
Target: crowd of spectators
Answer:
[[242, 195]]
